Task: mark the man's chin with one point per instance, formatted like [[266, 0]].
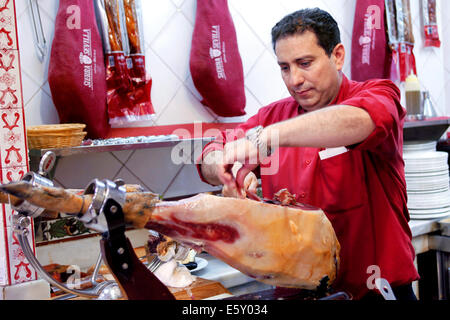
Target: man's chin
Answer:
[[307, 105]]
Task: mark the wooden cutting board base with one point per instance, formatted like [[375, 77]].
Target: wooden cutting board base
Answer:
[[199, 289]]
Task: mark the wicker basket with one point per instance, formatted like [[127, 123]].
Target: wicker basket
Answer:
[[55, 140], [56, 128]]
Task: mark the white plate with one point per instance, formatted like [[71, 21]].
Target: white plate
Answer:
[[201, 263], [425, 212], [414, 146], [428, 216], [421, 156]]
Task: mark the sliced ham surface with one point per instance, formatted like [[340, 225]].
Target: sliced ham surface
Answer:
[[279, 245]]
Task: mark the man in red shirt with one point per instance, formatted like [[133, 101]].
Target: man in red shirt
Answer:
[[337, 144]]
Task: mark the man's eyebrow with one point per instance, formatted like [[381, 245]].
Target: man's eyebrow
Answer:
[[298, 59]]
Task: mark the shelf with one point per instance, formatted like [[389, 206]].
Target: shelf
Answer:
[[64, 152], [424, 130]]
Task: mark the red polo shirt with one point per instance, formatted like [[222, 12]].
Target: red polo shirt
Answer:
[[362, 191]]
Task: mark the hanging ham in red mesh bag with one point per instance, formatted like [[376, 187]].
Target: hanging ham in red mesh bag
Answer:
[[407, 60], [128, 84], [76, 72], [370, 52], [430, 24], [215, 62], [392, 36]]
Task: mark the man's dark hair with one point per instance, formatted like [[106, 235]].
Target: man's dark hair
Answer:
[[316, 20]]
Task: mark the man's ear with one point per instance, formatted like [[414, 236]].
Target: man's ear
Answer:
[[338, 56]]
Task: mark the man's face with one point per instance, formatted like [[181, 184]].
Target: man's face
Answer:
[[311, 76]]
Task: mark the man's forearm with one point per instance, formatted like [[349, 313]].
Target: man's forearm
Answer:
[[329, 127]]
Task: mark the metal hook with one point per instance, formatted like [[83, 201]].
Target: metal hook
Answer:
[[41, 44]]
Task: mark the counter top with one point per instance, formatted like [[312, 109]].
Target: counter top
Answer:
[[421, 227], [218, 270]]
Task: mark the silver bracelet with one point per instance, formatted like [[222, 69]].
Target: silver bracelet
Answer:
[[254, 136]]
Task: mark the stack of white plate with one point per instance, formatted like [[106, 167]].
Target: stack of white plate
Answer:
[[427, 180]]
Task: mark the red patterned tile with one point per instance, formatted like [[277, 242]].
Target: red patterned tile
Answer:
[[9, 175], [3, 256], [14, 268], [17, 269], [8, 31], [13, 149], [10, 84]]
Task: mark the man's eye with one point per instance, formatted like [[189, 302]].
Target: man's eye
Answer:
[[284, 68], [305, 64]]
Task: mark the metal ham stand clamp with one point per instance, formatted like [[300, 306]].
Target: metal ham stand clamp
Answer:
[[22, 220], [105, 215]]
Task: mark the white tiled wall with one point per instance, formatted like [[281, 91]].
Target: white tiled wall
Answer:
[[168, 31]]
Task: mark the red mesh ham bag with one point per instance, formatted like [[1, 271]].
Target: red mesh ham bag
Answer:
[[76, 73], [371, 56], [215, 62]]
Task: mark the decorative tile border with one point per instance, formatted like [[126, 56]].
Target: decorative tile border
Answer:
[[8, 27], [19, 270], [13, 149], [14, 267]]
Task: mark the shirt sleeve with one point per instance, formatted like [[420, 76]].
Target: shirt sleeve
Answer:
[[221, 139], [381, 99]]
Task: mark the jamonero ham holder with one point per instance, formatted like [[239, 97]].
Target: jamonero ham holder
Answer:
[[296, 245]]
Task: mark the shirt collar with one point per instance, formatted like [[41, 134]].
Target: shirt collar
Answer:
[[342, 91]]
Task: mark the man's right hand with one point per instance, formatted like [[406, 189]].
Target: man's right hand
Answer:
[[216, 172], [250, 184]]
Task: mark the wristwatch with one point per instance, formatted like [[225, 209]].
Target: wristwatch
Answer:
[[254, 136]]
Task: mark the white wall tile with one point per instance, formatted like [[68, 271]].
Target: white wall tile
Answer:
[[122, 156], [154, 167], [21, 6], [264, 80], [130, 178], [261, 15], [29, 61], [252, 105], [184, 108], [40, 109], [157, 14], [30, 87], [173, 45], [187, 182], [78, 170], [165, 84], [250, 46]]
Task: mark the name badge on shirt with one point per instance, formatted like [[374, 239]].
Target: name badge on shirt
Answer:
[[332, 152]]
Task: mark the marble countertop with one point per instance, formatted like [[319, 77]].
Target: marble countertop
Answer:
[[218, 270], [421, 227]]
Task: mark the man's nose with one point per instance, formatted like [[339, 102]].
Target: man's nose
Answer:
[[297, 77]]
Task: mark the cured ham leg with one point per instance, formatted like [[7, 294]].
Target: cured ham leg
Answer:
[[287, 246], [279, 245]]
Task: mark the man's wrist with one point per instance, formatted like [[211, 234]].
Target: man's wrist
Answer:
[[259, 139], [209, 167]]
